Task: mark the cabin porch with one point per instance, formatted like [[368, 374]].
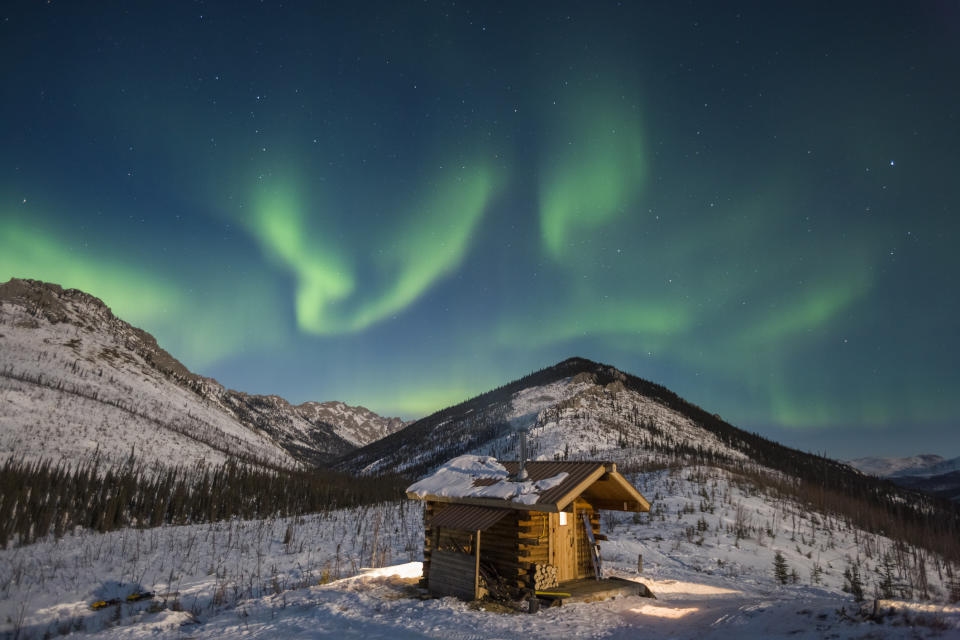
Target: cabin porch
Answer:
[[592, 590]]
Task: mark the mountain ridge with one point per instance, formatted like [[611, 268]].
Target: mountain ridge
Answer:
[[580, 409], [928, 473], [889, 466], [579, 370], [59, 343]]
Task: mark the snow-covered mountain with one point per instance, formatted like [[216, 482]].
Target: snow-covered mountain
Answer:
[[580, 409], [357, 425], [928, 473], [724, 505], [883, 467], [937, 469], [76, 380]]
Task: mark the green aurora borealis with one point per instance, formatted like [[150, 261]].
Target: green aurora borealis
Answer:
[[402, 205]]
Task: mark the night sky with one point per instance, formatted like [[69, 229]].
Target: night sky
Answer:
[[404, 204]]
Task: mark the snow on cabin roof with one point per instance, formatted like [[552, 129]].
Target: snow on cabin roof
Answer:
[[483, 478]]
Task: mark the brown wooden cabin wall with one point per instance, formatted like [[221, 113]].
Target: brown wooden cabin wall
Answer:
[[500, 549], [499, 552], [445, 571], [533, 528], [429, 510], [510, 547], [452, 574]]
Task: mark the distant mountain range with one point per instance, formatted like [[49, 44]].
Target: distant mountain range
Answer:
[[927, 472], [76, 381]]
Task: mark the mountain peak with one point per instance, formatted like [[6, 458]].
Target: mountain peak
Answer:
[[94, 384], [56, 305]]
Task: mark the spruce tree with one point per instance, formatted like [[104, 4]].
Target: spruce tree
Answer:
[[886, 576], [953, 587], [780, 569], [852, 583]]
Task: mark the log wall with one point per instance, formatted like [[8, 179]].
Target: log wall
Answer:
[[508, 550], [452, 574]]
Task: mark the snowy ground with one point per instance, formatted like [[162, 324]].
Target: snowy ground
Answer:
[[707, 551]]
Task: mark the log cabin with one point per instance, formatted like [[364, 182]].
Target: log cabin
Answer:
[[496, 528]]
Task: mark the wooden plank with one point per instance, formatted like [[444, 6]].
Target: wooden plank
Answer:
[[551, 539], [476, 568], [447, 590], [449, 582]]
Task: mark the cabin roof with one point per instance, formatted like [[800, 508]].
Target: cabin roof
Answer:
[[468, 517], [551, 486]]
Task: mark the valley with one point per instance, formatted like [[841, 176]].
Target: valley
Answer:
[[301, 554]]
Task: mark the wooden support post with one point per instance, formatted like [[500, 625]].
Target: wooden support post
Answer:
[[476, 568]]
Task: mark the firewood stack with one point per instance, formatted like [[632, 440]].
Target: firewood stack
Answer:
[[544, 577]]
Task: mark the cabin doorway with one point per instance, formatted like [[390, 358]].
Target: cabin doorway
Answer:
[[564, 548]]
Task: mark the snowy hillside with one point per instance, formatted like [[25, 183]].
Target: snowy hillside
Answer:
[[724, 505], [938, 468], [928, 473], [884, 467], [75, 380], [707, 548], [576, 409]]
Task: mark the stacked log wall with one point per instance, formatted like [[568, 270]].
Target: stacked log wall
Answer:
[[533, 529], [452, 574], [430, 509]]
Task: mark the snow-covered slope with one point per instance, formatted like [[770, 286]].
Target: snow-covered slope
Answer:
[[75, 380], [884, 467], [357, 425], [938, 468], [575, 410], [580, 410], [707, 548], [928, 473]]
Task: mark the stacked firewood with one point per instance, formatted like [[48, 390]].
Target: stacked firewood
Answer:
[[544, 577]]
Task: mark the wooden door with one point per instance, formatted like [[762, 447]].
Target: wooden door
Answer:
[[563, 553]]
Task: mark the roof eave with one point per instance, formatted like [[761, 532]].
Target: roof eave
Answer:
[[487, 502], [574, 492]]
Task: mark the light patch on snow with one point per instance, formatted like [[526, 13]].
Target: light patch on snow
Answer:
[[408, 570], [455, 479], [678, 587], [664, 612]]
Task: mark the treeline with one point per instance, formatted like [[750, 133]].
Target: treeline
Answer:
[[42, 498]]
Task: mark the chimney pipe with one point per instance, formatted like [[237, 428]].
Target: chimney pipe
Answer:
[[521, 471]]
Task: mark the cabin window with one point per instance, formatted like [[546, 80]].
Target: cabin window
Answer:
[[563, 518]]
